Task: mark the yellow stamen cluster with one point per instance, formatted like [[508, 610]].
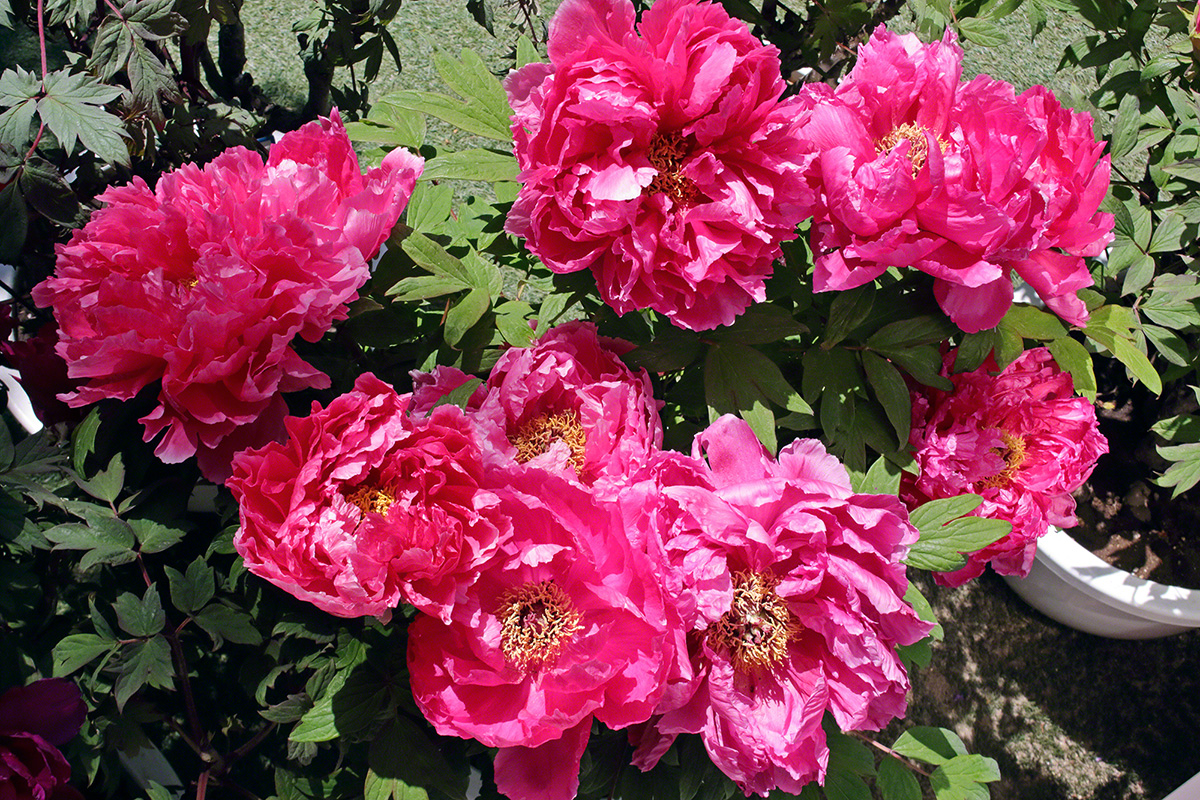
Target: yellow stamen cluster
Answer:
[[537, 435], [536, 620], [666, 154], [918, 145], [756, 630], [1014, 456], [370, 498]]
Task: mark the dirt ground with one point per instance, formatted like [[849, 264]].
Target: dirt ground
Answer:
[[1068, 715]]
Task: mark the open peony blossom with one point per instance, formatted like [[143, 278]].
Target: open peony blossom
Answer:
[[201, 285], [660, 158], [35, 721], [967, 182], [567, 404], [564, 625], [813, 581], [1021, 439], [363, 506]]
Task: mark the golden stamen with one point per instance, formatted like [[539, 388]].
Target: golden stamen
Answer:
[[536, 620], [918, 145], [756, 630], [1013, 452], [538, 434], [372, 499]]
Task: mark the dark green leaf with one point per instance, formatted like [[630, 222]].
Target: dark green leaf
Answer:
[[148, 662], [911, 332], [472, 165], [78, 650], [222, 622], [672, 350], [192, 590], [15, 214], [463, 315], [403, 751], [896, 782], [762, 323], [154, 537], [72, 107], [848, 311], [892, 393], [48, 193], [140, 617]]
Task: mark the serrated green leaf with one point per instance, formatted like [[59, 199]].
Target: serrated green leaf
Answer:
[[1184, 472], [472, 165], [154, 537], [72, 108], [16, 124], [471, 79], [106, 485], [78, 650], [142, 617]]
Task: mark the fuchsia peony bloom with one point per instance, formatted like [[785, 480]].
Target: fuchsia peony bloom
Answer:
[[567, 404], [812, 610], [203, 283], [1020, 439], [35, 721], [564, 625], [661, 159], [364, 506], [964, 181]]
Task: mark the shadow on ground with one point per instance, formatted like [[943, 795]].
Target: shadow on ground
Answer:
[[1067, 715]]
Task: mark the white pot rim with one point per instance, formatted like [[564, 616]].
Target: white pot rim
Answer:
[[1116, 587]]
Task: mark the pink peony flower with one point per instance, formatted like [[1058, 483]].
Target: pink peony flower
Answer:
[[659, 158], [201, 285], [35, 721], [1020, 439], [564, 625], [964, 181], [812, 613], [567, 405], [363, 506]]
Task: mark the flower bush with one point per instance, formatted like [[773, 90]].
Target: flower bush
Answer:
[[609, 473]]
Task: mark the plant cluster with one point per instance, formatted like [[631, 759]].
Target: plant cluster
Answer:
[[589, 461]]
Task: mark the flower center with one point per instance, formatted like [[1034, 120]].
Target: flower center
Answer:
[[536, 620], [538, 434], [918, 145], [1013, 453], [666, 154], [372, 499], [758, 626]]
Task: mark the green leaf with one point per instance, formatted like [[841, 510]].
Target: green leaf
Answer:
[[106, 485], [429, 207], [472, 80], [463, 315], [222, 622], [961, 777], [896, 782], [472, 165], [974, 350], [526, 53], [192, 590], [390, 124], [1168, 234], [154, 537], [762, 323], [930, 745], [106, 543], [468, 116], [946, 533], [149, 662], [882, 478], [83, 440], [404, 752], [1032, 323], [318, 723], [1074, 358], [982, 32], [72, 108], [142, 618], [1126, 127], [671, 350], [892, 393], [78, 650], [912, 332], [848, 310], [15, 213]]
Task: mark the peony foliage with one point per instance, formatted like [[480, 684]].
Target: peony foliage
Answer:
[[603, 456]]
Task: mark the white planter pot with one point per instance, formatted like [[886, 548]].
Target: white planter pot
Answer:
[[1070, 584]]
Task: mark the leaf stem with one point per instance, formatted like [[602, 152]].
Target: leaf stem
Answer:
[[907, 762]]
